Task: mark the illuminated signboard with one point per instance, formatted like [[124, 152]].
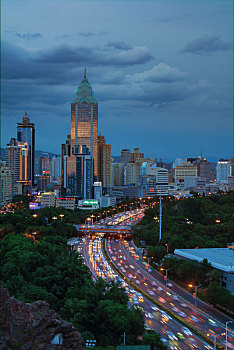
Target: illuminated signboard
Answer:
[[90, 202], [33, 205]]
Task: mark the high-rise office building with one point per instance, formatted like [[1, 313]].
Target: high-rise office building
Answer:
[[131, 174], [223, 170], [104, 162], [81, 184], [26, 133], [56, 167], [17, 159], [6, 184], [117, 174], [125, 156], [84, 123]]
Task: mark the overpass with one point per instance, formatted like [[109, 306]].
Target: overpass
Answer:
[[112, 229]]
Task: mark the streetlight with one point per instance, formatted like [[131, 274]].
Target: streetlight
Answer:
[[34, 236], [92, 216], [213, 335], [166, 274], [61, 216], [226, 333], [54, 218], [167, 247], [34, 215], [195, 294]]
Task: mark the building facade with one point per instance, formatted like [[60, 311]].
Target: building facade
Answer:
[[26, 133], [223, 170], [104, 162], [6, 184], [84, 123], [80, 184]]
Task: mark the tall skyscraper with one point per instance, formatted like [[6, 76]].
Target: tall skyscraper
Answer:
[[81, 184], [26, 133], [84, 123], [104, 162]]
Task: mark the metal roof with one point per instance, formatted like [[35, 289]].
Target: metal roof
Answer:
[[219, 258]]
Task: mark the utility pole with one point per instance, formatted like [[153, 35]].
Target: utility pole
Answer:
[[160, 217], [124, 335]]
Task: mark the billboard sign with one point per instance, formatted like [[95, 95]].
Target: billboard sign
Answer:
[[33, 206], [90, 202]]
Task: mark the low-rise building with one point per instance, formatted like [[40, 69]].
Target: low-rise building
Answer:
[[48, 199], [221, 259], [67, 203]]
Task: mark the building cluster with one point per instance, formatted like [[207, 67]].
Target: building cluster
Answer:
[[85, 175]]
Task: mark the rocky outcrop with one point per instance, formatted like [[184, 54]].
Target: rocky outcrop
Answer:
[[34, 326]]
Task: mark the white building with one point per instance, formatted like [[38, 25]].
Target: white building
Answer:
[[97, 189], [6, 184], [48, 199], [223, 170], [195, 183], [67, 203], [131, 173]]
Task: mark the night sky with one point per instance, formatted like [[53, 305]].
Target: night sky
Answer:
[[160, 70]]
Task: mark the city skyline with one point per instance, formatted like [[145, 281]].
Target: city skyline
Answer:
[[162, 73]]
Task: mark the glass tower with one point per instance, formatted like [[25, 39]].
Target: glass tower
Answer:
[[84, 122], [26, 133]]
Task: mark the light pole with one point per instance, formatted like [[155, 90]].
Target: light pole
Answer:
[[195, 294], [92, 216], [213, 335], [226, 333], [167, 247], [166, 274], [61, 216], [160, 217], [34, 237]]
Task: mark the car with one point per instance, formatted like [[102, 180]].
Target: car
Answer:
[[186, 331], [155, 308], [193, 318], [150, 292], [180, 335]]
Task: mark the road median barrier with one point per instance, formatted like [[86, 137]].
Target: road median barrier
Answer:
[[169, 312]]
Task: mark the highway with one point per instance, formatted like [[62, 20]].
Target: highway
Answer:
[[127, 260]]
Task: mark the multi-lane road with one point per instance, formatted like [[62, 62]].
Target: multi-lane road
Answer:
[[128, 262]]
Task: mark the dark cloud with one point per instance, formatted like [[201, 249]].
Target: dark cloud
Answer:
[[74, 54], [206, 45], [119, 45], [29, 36]]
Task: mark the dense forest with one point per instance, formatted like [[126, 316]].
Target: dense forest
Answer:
[[36, 265]]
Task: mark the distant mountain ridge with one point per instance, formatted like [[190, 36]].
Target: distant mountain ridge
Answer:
[[38, 153]]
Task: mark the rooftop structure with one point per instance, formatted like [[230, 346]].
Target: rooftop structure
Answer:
[[219, 258]]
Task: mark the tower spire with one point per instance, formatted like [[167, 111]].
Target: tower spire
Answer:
[[85, 72]]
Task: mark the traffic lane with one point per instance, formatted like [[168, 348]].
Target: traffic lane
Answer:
[[169, 327], [219, 316], [193, 318]]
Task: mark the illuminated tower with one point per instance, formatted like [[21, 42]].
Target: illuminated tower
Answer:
[[26, 133], [84, 123]]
